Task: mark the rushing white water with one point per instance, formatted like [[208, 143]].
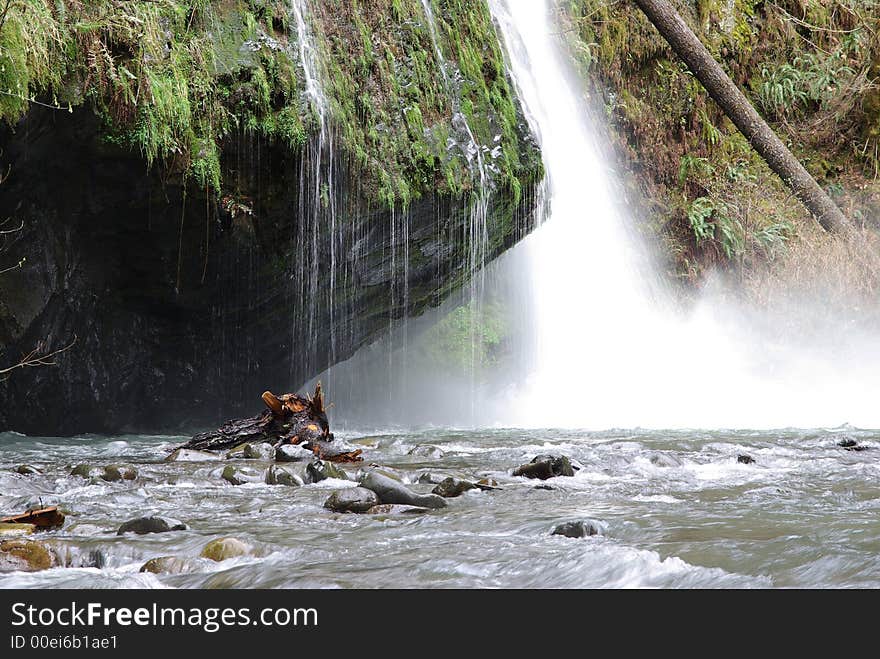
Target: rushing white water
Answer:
[[611, 354]]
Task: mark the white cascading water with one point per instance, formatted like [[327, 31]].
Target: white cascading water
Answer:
[[608, 352]]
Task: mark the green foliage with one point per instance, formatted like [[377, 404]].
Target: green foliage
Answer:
[[173, 78], [470, 338]]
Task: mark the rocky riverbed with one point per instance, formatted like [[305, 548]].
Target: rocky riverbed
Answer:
[[446, 508]]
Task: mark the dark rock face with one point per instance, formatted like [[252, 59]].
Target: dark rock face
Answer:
[[545, 466], [577, 529], [184, 306], [144, 525]]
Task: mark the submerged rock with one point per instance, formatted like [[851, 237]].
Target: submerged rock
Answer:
[[10, 529], [450, 487], [352, 500], [664, 460], [191, 455], [320, 470], [851, 445], [293, 453], [545, 466], [490, 483], [116, 473], [281, 476], [167, 565], [85, 471], [396, 509], [577, 529], [427, 478], [27, 470], [390, 491], [744, 459], [260, 451], [426, 451], [25, 555], [222, 549], [144, 525], [241, 475]]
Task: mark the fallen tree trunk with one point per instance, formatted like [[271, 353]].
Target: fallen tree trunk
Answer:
[[741, 112], [288, 419], [42, 518]]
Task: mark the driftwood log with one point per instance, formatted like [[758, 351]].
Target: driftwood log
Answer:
[[288, 419]]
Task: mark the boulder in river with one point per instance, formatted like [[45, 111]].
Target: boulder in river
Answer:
[[851, 445], [320, 470], [241, 475], [144, 525], [27, 470], [546, 466], [577, 529], [116, 473], [191, 455], [167, 565], [744, 459], [426, 451], [25, 555], [351, 500], [453, 487], [293, 453], [222, 549], [390, 491], [276, 475]]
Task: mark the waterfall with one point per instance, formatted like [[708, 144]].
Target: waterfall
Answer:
[[318, 200], [608, 350]]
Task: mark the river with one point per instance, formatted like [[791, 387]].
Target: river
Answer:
[[674, 509]]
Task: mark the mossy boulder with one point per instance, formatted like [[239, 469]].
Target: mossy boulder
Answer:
[[223, 549], [25, 555]]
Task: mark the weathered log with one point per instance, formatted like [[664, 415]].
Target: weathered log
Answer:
[[737, 107], [289, 419], [42, 518]]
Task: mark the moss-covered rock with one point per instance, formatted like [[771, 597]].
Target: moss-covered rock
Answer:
[[25, 555], [223, 549]]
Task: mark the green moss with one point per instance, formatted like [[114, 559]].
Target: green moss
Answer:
[[173, 78]]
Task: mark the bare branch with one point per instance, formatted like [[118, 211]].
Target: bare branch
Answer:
[[38, 357]]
